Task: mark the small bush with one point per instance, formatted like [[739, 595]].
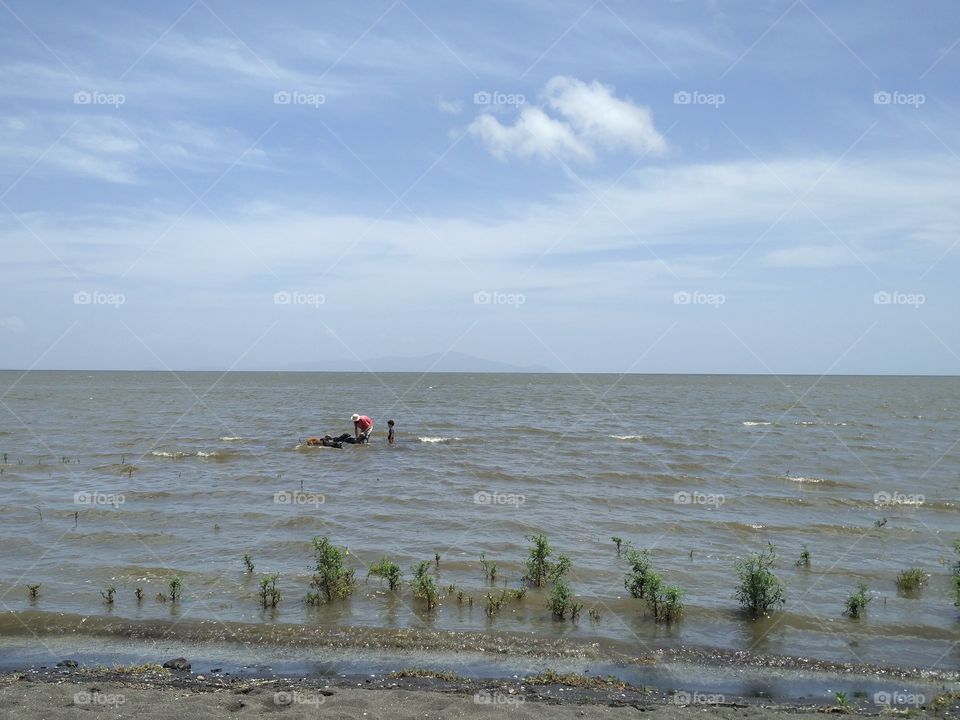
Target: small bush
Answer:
[[666, 602], [33, 591], [248, 562], [804, 560], [270, 595], [175, 589], [108, 594], [911, 581], [389, 571], [857, 602], [424, 586], [618, 541], [539, 567], [561, 602], [759, 590], [638, 577], [331, 578]]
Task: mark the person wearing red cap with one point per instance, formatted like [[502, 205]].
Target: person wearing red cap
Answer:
[[362, 425]]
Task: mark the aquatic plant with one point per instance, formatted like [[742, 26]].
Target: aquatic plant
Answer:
[[560, 567], [596, 615], [331, 577], [270, 595], [911, 581], [175, 589], [843, 704], [857, 602], [460, 596], [436, 559], [804, 560], [618, 541], [248, 563], [956, 590], [138, 593], [489, 569], [561, 602], [423, 585], [880, 523], [493, 603], [759, 590], [160, 597], [539, 566], [637, 577], [108, 594], [666, 601], [387, 570], [34, 590]]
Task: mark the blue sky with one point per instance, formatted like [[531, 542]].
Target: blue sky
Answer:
[[604, 186]]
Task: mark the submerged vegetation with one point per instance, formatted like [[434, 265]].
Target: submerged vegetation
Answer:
[[424, 586], [331, 578], [270, 595], [759, 590], [911, 581], [387, 570], [561, 602], [857, 602], [804, 560]]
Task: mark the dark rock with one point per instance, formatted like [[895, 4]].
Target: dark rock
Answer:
[[67, 663], [177, 664]]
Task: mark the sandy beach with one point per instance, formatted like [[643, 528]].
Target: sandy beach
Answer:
[[154, 693]]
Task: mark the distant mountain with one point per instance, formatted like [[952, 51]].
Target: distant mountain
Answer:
[[435, 362]]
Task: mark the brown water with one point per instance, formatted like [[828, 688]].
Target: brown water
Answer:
[[184, 475]]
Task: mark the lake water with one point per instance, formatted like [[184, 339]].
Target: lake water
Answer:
[[131, 478]]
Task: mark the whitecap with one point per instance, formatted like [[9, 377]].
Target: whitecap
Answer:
[[429, 439], [753, 423], [230, 438], [629, 437], [168, 454]]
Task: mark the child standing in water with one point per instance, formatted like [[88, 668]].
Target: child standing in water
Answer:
[[391, 436]]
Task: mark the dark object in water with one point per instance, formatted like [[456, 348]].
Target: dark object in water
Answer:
[[328, 441], [177, 664]]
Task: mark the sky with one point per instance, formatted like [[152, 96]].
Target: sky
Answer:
[[679, 186]]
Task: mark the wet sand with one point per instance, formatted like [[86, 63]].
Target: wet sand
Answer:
[[151, 692]]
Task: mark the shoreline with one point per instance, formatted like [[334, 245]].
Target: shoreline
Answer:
[[152, 691]]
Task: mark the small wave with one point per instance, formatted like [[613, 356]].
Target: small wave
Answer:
[[429, 439], [211, 454], [755, 423], [805, 423], [629, 437], [229, 438], [167, 454], [801, 479]]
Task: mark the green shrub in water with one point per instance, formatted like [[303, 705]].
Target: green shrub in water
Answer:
[[387, 570], [804, 560], [248, 562], [424, 586], [108, 594], [911, 581], [759, 590], [176, 589], [857, 602], [270, 595], [539, 567], [561, 602], [331, 578], [637, 578], [33, 590], [666, 601]]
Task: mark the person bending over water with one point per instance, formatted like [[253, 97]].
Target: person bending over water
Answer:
[[362, 425]]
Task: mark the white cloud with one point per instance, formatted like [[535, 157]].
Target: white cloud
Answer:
[[591, 118]]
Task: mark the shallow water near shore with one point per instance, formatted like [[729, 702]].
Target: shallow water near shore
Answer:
[[182, 475]]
